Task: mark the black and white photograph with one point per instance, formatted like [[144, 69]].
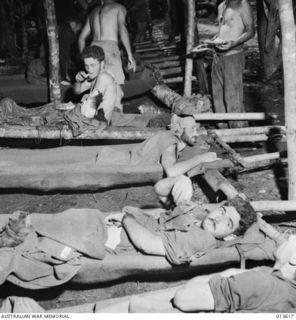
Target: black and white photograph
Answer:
[[147, 158]]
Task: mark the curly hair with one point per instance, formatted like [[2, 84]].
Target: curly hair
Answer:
[[94, 52], [247, 213]]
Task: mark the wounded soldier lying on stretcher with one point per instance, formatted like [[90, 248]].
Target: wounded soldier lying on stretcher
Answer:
[[185, 232], [179, 234], [261, 289]]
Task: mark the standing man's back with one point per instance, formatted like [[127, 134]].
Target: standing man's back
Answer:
[[106, 24]]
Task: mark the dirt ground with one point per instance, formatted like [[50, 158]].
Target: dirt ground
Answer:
[[266, 184]]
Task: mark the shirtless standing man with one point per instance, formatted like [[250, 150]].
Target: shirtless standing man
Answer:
[[236, 26], [105, 23]]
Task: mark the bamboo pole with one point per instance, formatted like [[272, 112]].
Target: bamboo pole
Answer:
[[53, 44], [176, 80], [162, 59], [189, 47], [117, 133], [167, 64], [252, 116], [245, 138], [157, 48], [274, 205], [289, 58], [75, 176], [167, 72], [245, 131], [263, 157]]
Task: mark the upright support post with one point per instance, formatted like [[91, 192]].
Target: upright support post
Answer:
[[289, 58], [189, 46], [53, 44]]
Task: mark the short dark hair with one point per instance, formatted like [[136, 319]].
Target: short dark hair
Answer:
[[94, 52], [247, 213]]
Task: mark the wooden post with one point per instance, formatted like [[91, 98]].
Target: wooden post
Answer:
[[53, 44], [24, 32], [289, 58], [189, 46]]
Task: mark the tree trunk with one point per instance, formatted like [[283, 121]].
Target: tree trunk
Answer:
[[189, 47], [7, 27], [53, 44], [24, 32], [269, 42], [289, 62]]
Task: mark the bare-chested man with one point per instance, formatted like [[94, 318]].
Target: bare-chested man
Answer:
[[105, 23], [236, 26]]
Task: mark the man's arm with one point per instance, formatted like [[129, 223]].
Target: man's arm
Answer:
[[85, 32], [142, 238], [196, 294], [81, 83], [173, 168], [124, 36]]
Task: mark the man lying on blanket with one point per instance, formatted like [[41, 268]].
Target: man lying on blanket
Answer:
[[262, 289], [182, 233]]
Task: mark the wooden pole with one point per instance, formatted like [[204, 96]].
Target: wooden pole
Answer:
[[111, 133], [176, 80], [289, 58], [189, 47], [231, 116], [53, 44], [75, 176], [245, 131]]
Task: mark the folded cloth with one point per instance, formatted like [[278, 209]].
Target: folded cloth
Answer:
[[11, 113], [79, 123], [20, 305]]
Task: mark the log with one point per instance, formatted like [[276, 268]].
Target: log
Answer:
[[189, 47], [53, 44], [172, 99], [289, 58], [218, 182]]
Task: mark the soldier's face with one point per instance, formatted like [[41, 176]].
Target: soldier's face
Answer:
[[92, 67]]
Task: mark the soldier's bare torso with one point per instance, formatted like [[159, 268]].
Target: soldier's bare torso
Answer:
[[104, 21], [231, 24]]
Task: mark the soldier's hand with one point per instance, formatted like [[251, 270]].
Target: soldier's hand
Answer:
[[81, 76], [225, 46], [131, 64]]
